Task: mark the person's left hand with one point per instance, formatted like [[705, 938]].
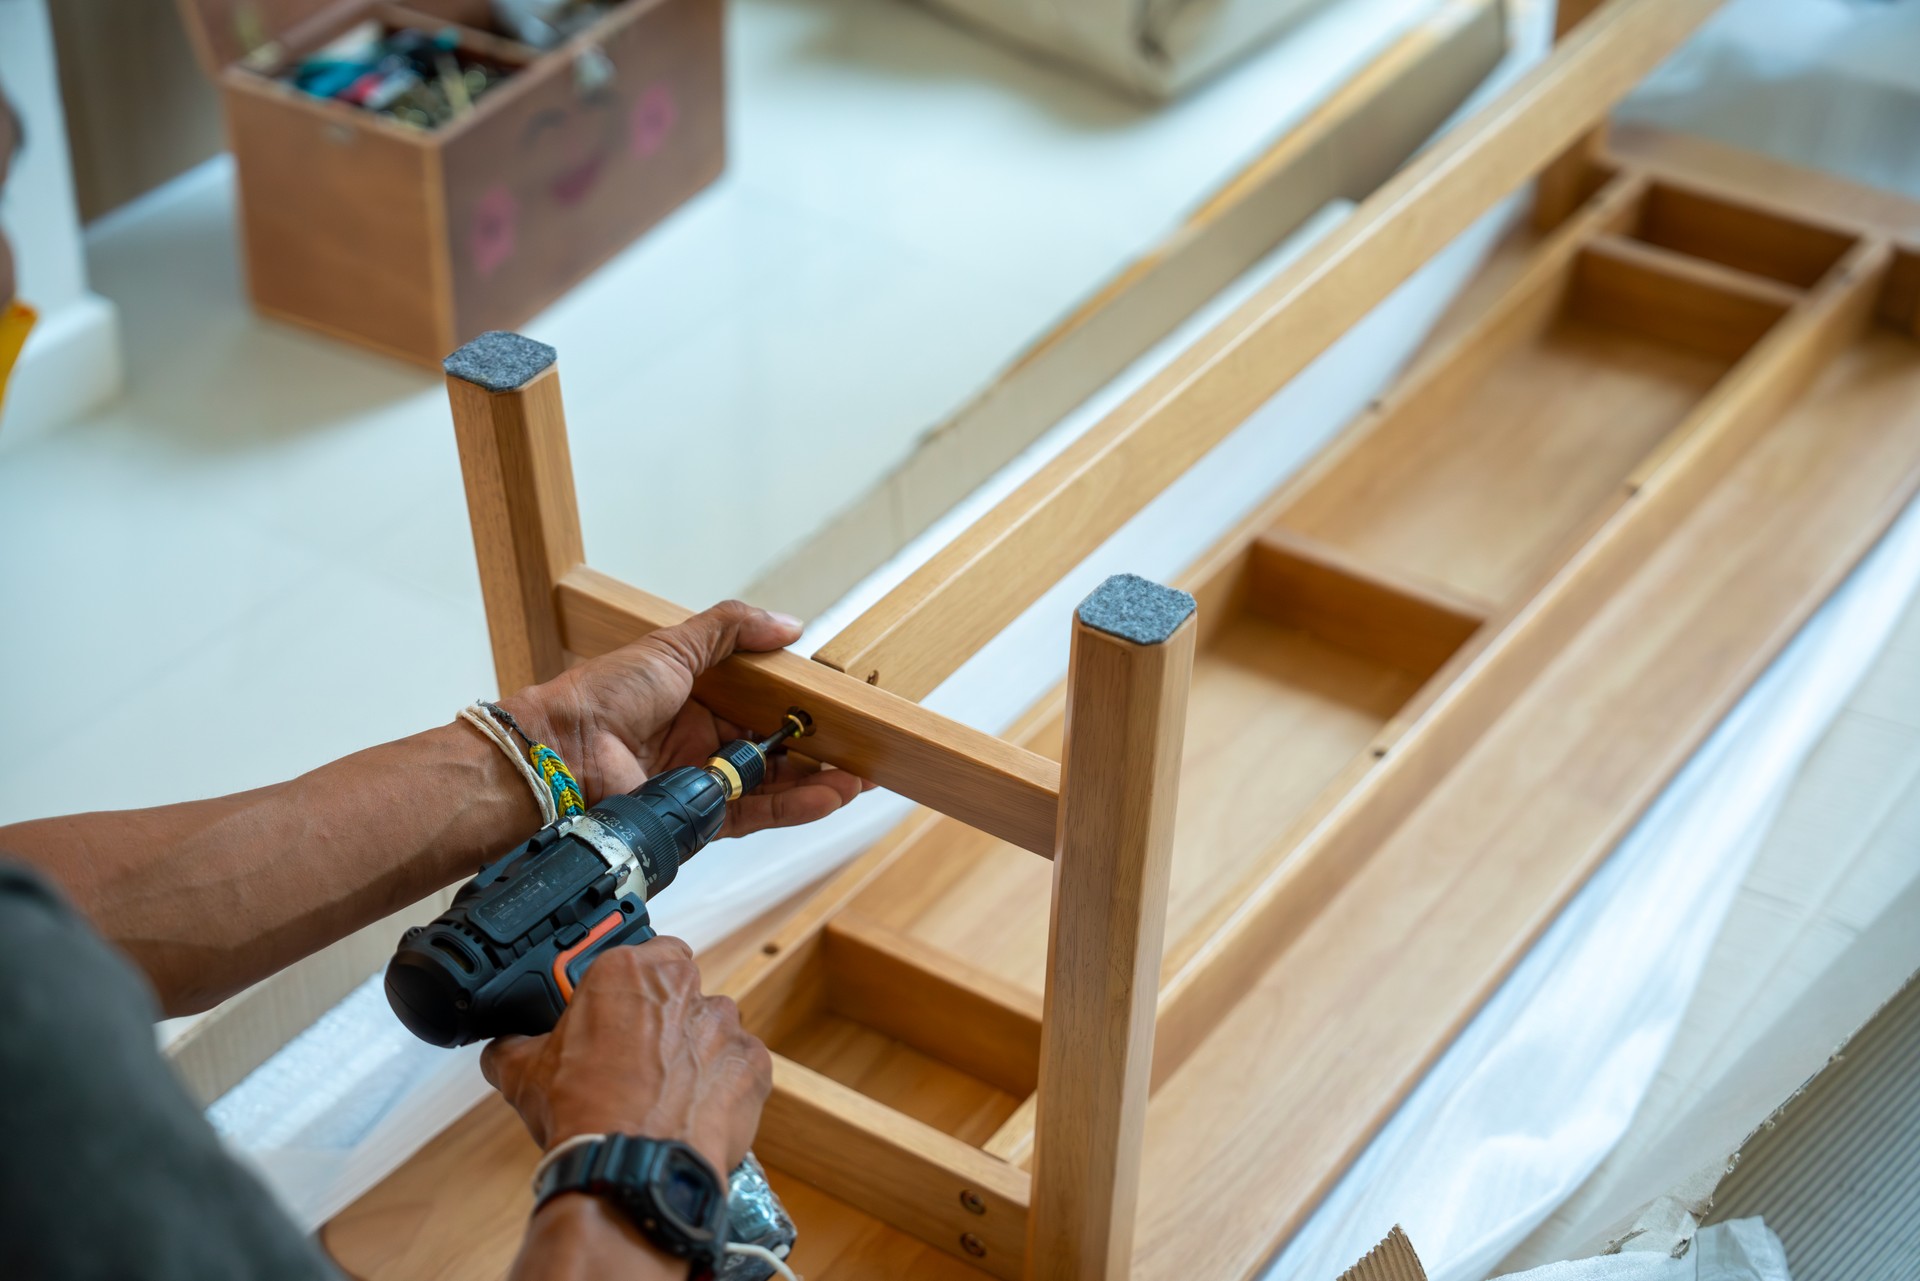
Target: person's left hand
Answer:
[[619, 719]]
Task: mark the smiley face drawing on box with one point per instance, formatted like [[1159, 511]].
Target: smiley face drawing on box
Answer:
[[565, 177]]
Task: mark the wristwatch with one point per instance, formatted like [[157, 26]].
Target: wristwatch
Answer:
[[665, 1188]]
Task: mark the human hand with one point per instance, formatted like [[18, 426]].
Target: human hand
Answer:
[[619, 719], [640, 1051]]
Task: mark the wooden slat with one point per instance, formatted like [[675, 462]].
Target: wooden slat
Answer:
[[1013, 1141], [1688, 302], [1126, 723], [935, 1002], [944, 612], [1301, 582], [900, 1170], [977, 778], [526, 525], [1762, 291], [1733, 179]]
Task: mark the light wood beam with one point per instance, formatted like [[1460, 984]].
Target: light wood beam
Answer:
[[1127, 684], [943, 613], [901, 1171], [512, 432], [1565, 184], [977, 778]]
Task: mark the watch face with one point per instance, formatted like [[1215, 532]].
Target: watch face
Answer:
[[686, 1190]]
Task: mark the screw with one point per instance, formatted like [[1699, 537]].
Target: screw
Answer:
[[973, 1245], [972, 1201], [770, 949]]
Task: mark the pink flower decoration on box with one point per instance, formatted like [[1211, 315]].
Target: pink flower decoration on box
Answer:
[[652, 119], [491, 240]]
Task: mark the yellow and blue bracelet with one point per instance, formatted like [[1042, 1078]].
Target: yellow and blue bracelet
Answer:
[[565, 788]]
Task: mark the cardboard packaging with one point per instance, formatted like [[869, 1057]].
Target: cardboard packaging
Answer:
[[411, 241], [1833, 1172]]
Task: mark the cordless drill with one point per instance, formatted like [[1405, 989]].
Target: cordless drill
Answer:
[[506, 956]]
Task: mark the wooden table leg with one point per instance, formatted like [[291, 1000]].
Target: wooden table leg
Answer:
[[1126, 717], [505, 392]]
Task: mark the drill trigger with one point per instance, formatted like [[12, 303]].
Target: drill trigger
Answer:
[[601, 928]]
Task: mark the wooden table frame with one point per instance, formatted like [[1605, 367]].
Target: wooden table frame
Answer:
[[1638, 616]]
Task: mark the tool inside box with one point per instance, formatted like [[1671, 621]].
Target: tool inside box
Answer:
[[414, 67], [425, 65]]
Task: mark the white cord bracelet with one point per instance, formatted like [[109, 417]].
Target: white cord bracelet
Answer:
[[481, 719]]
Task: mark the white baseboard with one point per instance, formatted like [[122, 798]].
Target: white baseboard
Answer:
[[71, 365]]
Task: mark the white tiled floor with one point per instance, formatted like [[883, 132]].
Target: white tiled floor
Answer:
[[258, 559]]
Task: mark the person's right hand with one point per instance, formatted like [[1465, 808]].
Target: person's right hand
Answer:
[[640, 1051]]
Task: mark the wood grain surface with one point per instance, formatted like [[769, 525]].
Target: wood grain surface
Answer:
[[525, 520], [1126, 724], [992, 784]]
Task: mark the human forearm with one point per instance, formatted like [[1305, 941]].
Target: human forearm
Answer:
[[582, 1238], [210, 896]]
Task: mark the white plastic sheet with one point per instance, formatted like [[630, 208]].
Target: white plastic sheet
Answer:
[[1741, 1250]]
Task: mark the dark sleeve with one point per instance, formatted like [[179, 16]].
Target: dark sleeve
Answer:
[[108, 1171]]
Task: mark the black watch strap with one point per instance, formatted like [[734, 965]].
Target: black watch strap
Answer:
[[664, 1187]]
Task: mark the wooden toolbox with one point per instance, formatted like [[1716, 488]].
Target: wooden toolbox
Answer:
[[412, 240]]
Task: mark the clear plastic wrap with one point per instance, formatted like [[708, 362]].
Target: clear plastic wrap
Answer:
[[754, 1217]]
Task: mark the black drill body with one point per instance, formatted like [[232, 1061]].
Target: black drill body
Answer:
[[506, 956]]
